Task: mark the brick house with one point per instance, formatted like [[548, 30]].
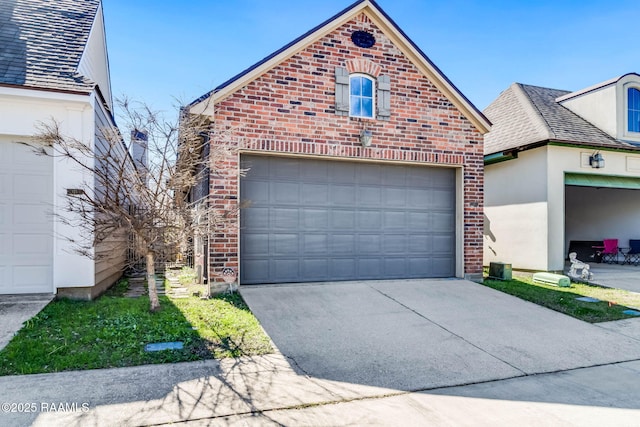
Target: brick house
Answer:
[[364, 161]]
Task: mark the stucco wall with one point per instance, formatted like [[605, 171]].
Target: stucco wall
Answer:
[[597, 107], [526, 210], [516, 220], [291, 110]]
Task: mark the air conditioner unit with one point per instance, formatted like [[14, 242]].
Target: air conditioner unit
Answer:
[[500, 271]]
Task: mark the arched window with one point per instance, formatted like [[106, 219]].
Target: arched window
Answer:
[[361, 95], [633, 109]]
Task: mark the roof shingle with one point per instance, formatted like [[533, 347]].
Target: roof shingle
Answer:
[[524, 115], [42, 42]]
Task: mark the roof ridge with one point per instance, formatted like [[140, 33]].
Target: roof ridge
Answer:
[[535, 114]]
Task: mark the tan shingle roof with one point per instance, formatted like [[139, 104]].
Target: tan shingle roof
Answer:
[[42, 41]]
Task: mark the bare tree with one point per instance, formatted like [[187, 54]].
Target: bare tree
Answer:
[[147, 198]]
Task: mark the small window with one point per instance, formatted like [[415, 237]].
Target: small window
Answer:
[[633, 109], [361, 90]]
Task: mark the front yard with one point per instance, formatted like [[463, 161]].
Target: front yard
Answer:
[[613, 302], [113, 330]]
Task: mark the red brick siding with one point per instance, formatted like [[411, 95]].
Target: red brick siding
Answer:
[[291, 109]]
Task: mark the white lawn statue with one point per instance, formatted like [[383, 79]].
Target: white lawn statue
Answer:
[[577, 264]]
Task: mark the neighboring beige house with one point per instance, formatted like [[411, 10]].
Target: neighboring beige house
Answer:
[[544, 185], [53, 65]]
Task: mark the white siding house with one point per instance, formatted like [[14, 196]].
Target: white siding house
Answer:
[[53, 66]]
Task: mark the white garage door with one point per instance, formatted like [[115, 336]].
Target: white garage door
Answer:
[[26, 225]]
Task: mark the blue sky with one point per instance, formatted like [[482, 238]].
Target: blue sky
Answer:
[[161, 51]]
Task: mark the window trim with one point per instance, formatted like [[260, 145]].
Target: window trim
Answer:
[[627, 106], [373, 95], [623, 85]]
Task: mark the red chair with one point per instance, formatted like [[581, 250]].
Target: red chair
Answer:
[[610, 251]]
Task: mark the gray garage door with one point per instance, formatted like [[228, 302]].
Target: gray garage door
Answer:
[[312, 220]]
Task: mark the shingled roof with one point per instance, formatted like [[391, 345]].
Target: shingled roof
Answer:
[[525, 116], [42, 42]]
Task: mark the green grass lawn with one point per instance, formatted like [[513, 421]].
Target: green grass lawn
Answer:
[[613, 301], [113, 330]]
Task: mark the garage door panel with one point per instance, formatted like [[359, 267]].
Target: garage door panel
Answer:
[[395, 197], [256, 218], [420, 243], [370, 268], [369, 196], [31, 244], [31, 214], [4, 246], [342, 269], [285, 193], [286, 270], [368, 174], [442, 199], [343, 244], [395, 175], [342, 172], [256, 271], [368, 244], [419, 221], [315, 219], [332, 220], [394, 267], [394, 244], [315, 244], [395, 220], [315, 269], [284, 244], [286, 168], [257, 193], [315, 193], [421, 266], [284, 218], [314, 172], [419, 198], [369, 220], [28, 187], [255, 244], [443, 222], [343, 219], [26, 222], [441, 266], [343, 195]]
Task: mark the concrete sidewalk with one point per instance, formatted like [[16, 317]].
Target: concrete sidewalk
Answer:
[[267, 391]]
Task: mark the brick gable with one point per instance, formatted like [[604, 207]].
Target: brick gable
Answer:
[[290, 109]]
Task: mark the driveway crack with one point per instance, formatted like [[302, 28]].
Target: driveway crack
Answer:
[[448, 331]]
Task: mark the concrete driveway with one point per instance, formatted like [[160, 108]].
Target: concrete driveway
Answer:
[[422, 334], [17, 309]]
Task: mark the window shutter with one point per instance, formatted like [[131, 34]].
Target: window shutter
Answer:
[[384, 98], [342, 91]]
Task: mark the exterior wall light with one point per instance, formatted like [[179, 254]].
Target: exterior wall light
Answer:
[[366, 136], [596, 161]]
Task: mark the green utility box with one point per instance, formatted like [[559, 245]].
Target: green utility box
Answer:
[[500, 271]]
